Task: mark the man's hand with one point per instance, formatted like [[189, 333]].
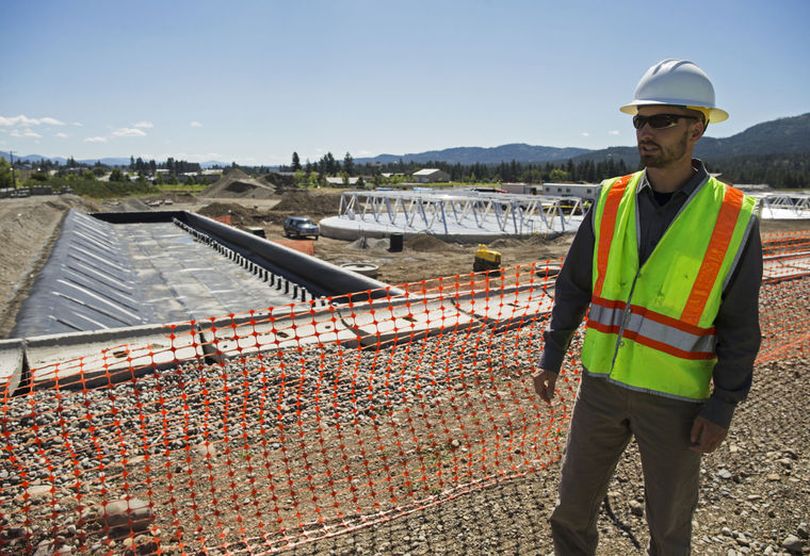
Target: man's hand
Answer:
[[544, 382], [706, 436]]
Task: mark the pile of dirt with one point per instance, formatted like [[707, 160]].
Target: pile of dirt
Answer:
[[240, 215], [304, 202], [425, 242], [376, 245], [280, 181], [237, 184]]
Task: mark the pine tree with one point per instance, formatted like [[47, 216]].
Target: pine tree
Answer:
[[348, 164]]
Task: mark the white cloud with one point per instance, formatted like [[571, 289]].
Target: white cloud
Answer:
[[26, 121], [95, 140], [195, 123], [128, 132], [613, 132], [143, 124], [77, 124], [25, 134], [61, 135], [585, 134]]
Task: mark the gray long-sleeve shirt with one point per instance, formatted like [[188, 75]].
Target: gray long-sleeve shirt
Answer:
[[737, 322]]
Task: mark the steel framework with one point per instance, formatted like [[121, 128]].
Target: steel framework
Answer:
[[797, 205], [442, 212]]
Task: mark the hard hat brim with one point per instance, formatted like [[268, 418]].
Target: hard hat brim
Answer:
[[716, 115]]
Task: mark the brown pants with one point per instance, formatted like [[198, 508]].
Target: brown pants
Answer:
[[605, 416]]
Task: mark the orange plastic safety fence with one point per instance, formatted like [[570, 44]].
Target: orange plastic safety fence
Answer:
[[787, 242], [252, 433], [786, 256], [255, 433]]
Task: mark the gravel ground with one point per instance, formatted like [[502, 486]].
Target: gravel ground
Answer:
[[243, 458]]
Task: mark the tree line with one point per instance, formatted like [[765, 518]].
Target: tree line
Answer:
[[513, 171], [780, 171]]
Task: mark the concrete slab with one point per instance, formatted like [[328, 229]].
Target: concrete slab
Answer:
[[283, 327], [99, 358], [507, 309], [12, 355], [401, 319]]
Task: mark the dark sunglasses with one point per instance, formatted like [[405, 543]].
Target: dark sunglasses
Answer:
[[659, 121]]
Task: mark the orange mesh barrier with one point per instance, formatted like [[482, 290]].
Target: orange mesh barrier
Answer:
[[788, 242], [786, 256], [255, 433]]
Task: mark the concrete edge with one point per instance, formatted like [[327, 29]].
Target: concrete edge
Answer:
[[12, 366]]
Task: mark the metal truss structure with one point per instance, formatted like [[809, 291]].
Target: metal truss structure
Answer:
[[792, 205], [440, 212]]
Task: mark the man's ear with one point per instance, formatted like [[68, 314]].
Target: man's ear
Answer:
[[698, 130]]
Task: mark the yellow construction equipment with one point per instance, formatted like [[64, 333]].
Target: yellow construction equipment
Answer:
[[486, 259]]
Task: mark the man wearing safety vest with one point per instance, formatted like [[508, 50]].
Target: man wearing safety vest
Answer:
[[668, 264]]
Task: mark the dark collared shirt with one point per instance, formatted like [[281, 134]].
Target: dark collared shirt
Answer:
[[737, 322]]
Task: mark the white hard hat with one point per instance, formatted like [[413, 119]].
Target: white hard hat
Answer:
[[679, 83]]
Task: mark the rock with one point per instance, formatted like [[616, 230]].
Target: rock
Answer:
[[636, 508], [17, 532], [724, 474], [44, 548], [792, 543], [774, 477], [132, 515], [205, 449], [146, 545], [802, 531], [39, 491]]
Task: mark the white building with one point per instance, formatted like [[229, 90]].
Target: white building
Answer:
[[430, 175], [582, 190]]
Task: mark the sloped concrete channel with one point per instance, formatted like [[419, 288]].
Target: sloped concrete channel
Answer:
[[115, 279]]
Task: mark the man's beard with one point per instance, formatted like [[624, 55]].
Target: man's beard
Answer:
[[660, 157]]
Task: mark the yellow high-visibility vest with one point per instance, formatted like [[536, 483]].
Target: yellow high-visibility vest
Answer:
[[651, 327]]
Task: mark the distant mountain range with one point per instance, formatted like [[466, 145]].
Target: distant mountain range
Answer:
[[789, 136], [520, 152], [785, 136]]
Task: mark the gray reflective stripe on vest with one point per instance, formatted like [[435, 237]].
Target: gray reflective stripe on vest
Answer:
[[653, 330]]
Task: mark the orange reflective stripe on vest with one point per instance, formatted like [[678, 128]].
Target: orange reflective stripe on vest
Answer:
[[713, 259], [607, 227]]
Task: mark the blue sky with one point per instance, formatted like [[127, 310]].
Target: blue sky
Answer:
[[252, 81]]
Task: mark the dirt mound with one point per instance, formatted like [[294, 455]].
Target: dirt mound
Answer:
[[425, 242], [236, 174], [236, 183], [240, 215], [280, 181], [372, 244], [304, 202]]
